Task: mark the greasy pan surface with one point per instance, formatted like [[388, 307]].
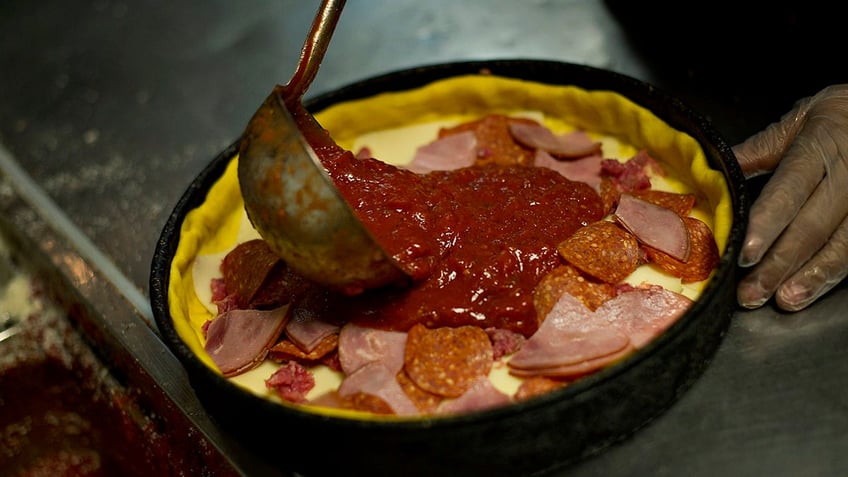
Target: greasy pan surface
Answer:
[[530, 437]]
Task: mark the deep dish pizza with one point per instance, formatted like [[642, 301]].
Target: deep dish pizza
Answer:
[[549, 232]]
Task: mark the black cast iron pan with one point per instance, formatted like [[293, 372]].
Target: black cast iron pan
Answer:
[[527, 438]]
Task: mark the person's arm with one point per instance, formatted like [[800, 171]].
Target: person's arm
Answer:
[[797, 238]]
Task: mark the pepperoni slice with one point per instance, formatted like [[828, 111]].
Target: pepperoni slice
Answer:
[[286, 350], [536, 386], [602, 250], [703, 257], [365, 403], [495, 143], [680, 203], [281, 286], [258, 278], [609, 194], [425, 401], [447, 361], [357, 401], [566, 279], [246, 268]]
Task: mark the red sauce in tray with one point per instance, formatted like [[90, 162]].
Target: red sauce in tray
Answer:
[[475, 240]]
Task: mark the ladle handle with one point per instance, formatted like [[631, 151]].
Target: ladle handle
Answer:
[[314, 48]]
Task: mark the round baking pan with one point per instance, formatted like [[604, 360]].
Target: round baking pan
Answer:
[[526, 438]]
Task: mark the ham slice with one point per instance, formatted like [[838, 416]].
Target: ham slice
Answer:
[[574, 370], [654, 226], [481, 395], [644, 313], [377, 380], [568, 347], [571, 334], [569, 313], [238, 340], [570, 145], [307, 331], [450, 152], [585, 169], [574, 341], [359, 346]]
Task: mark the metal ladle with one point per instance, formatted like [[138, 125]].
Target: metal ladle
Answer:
[[289, 197]]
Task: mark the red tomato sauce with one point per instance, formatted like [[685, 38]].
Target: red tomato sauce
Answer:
[[476, 241]]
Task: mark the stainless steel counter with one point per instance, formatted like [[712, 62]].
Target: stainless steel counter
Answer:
[[108, 109]]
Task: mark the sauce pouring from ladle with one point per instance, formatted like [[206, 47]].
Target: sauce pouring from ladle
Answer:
[[289, 197]]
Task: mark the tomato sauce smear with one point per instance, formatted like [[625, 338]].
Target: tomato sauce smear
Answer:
[[476, 241]]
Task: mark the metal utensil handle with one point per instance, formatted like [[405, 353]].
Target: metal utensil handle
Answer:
[[314, 47]]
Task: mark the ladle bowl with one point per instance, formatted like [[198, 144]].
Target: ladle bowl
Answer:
[[293, 204], [288, 196]]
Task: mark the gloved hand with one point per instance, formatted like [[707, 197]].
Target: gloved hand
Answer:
[[797, 238]]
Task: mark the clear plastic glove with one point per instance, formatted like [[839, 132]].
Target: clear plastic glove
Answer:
[[797, 239]]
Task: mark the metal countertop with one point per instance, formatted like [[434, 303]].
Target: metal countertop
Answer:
[[112, 107]]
